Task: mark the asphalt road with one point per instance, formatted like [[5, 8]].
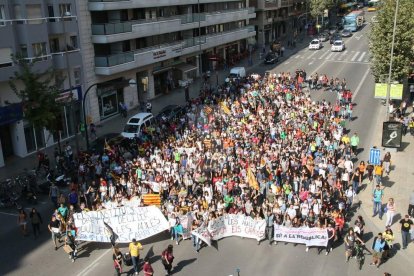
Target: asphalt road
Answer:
[[26, 256]]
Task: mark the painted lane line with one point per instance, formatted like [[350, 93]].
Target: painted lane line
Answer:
[[343, 54], [287, 62], [330, 55], [362, 56], [350, 62], [9, 214], [355, 56], [324, 54], [94, 263], [298, 56], [360, 83], [309, 57]]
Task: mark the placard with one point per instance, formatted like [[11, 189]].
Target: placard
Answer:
[[127, 222], [308, 236], [391, 134]]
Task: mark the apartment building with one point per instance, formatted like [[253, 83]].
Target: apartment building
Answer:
[[46, 33], [158, 43], [278, 18]]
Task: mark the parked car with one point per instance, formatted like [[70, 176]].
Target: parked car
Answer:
[[338, 46], [237, 73], [346, 33], [315, 44], [271, 58], [170, 112], [136, 123]]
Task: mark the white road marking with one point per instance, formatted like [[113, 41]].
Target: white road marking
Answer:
[[330, 55], [297, 56], [309, 57], [343, 54], [287, 62], [362, 56], [93, 264], [318, 68], [324, 54], [9, 214], [350, 62], [310, 63], [355, 56], [360, 83]]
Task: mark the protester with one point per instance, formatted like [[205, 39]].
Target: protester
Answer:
[[54, 228], [70, 241], [167, 258], [377, 247], [349, 240], [53, 194], [390, 212], [117, 258], [22, 222], [411, 205], [377, 195], [389, 239], [134, 249], [36, 220], [147, 268], [406, 225]]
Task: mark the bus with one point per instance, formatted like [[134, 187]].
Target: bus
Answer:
[[353, 20], [373, 5]]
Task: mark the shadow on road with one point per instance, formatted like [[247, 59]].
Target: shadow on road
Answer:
[[181, 264]]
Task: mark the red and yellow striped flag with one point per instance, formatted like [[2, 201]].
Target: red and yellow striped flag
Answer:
[[225, 108]]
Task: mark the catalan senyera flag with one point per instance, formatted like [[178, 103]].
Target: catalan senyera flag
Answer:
[[251, 178], [225, 108]]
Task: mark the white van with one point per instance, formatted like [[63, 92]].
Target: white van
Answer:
[[237, 73], [136, 123]]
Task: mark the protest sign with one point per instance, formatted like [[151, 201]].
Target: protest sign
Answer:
[[127, 223], [304, 235], [231, 225]]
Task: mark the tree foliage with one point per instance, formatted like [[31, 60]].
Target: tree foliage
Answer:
[[38, 95], [318, 6], [381, 39]]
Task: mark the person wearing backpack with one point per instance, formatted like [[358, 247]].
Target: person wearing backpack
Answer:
[[167, 258]]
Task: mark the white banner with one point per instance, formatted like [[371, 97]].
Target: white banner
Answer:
[[232, 225], [127, 222], [304, 235], [184, 229]]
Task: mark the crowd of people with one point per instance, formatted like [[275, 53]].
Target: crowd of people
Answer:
[[298, 150]]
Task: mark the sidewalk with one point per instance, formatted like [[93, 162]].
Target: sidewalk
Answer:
[[16, 165], [397, 185]]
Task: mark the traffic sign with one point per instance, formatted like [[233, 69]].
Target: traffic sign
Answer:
[[375, 156]]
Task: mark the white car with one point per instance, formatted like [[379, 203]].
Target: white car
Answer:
[[315, 44], [338, 46]]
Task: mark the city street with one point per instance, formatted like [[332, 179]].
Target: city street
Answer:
[[26, 256]]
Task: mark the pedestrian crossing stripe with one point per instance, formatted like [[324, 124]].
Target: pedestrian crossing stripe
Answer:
[[362, 56], [355, 56], [344, 56]]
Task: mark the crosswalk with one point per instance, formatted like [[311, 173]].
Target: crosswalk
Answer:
[[326, 54]]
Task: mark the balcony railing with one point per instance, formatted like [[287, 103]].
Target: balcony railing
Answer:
[[5, 22], [124, 27], [126, 57]]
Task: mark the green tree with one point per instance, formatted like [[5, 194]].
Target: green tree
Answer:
[[318, 6], [38, 93], [381, 39]]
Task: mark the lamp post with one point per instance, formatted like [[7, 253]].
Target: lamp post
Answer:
[[131, 83], [387, 99]]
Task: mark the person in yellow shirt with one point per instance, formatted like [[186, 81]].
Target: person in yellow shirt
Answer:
[[134, 248], [345, 139], [378, 171]]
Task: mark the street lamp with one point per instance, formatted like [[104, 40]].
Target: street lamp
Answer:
[[131, 83], [387, 99]]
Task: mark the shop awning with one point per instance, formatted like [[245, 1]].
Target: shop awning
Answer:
[[185, 67]]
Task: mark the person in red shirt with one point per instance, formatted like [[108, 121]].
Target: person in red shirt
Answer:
[[167, 258], [147, 268]]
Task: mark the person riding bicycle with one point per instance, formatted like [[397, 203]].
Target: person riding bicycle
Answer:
[[350, 238]]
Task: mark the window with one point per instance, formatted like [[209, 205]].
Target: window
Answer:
[[2, 16], [77, 76], [59, 79], [5, 57], [65, 10], [74, 42], [23, 51], [34, 12], [51, 13], [39, 51], [54, 45]]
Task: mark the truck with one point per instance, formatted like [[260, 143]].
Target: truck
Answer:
[[353, 20]]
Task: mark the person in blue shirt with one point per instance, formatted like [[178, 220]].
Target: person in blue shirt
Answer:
[[378, 248]]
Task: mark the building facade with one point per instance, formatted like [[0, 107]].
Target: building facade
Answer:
[[157, 43], [46, 33], [276, 19]]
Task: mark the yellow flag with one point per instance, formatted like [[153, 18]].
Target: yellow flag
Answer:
[[251, 178], [225, 108]]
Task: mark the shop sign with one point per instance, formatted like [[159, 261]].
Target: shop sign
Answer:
[[159, 54]]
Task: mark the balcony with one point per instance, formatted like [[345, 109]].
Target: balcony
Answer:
[[60, 25], [73, 57], [116, 63], [102, 5], [114, 32], [6, 72]]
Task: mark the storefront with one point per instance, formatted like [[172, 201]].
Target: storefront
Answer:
[[109, 97], [163, 80], [9, 115]]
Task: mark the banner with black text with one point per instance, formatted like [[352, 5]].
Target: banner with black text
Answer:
[[304, 235]]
